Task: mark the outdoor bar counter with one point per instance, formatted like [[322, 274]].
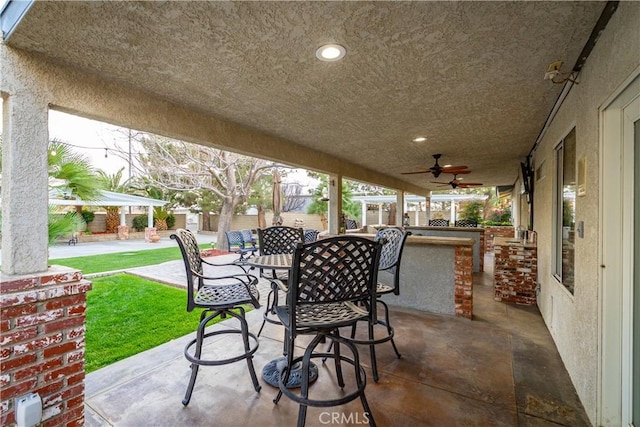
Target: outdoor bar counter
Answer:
[[436, 276], [475, 233]]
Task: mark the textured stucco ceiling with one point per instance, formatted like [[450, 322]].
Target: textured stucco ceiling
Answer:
[[468, 75]]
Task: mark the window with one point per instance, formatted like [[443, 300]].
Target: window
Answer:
[[565, 210]]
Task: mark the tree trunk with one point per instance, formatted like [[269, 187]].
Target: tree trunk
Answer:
[[206, 224], [262, 221], [224, 223]]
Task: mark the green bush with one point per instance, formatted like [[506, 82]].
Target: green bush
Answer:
[[139, 222], [471, 211], [88, 216], [497, 223], [171, 220]]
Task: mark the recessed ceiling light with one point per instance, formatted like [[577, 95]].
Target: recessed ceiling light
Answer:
[[420, 139], [331, 52]]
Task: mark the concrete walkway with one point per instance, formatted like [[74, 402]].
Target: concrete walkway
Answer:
[[63, 250]]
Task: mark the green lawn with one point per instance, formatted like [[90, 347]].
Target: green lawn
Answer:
[[127, 315], [117, 261]]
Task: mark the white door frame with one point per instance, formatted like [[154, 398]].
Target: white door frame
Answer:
[[616, 254]]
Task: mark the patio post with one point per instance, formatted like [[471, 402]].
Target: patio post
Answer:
[[401, 207], [335, 203], [25, 176], [150, 217], [364, 212]]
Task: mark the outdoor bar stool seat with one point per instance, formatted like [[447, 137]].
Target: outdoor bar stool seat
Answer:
[[438, 222], [279, 239], [218, 296], [332, 286]]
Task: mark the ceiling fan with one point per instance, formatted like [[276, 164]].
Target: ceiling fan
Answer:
[[436, 169], [455, 183]]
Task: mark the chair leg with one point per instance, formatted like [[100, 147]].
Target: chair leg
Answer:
[[372, 350], [284, 376], [268, 308], [337, 361], [192, 382], [245, 337], [389, 328], [304, 387], [198, 353]]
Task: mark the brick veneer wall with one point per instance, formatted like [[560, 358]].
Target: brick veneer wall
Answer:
[[491, 231], [464, 281], [516, 274], [42, 344]]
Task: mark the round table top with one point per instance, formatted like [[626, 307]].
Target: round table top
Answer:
[[276, 261]]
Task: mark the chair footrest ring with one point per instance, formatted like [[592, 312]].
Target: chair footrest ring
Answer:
[[203, 362], [324, 403]]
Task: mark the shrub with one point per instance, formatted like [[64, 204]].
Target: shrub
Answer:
[[88, 216], [171, 221], [139, 222]]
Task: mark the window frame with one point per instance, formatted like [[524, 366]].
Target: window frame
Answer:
[[558, 209]]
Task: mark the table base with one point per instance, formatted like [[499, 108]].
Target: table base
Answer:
[[272, 370]]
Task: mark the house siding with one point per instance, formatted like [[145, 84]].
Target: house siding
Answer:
[[573, 319]]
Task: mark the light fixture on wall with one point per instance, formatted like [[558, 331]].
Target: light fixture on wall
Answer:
[[553, 73], [331, 52]]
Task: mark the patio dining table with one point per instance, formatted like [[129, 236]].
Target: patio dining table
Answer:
[[271, 371]]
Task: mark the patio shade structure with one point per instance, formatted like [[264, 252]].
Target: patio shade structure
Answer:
[[109, 198], [467, 76]]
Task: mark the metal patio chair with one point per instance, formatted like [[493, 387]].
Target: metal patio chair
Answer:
[[393, 240], [236, 244], [274, 240], [249, 241], [218, 297], [333, 285], [310, 235]]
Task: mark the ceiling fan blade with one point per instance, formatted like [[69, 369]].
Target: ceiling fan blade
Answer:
[[411, 173], [457, 172], [453, 168], [470, 184]]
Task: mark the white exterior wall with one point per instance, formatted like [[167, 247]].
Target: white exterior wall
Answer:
[[573, 319]]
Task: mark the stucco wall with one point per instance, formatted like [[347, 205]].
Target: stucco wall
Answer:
[[573, 319]]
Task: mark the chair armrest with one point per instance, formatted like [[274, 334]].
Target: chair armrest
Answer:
[[226, 264]]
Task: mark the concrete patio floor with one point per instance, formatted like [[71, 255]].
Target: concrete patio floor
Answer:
[[500, 369]]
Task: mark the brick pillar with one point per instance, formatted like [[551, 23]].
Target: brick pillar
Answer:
[[148, 232], [42, 344], [464, 281], [123, 232]]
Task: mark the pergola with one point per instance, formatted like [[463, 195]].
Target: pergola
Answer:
[[110, 198], [415, 200]]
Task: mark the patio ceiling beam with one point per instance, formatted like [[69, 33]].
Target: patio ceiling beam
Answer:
[[91, 95]]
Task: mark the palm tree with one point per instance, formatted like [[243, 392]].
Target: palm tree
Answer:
[[72, 175], [113, 182]]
